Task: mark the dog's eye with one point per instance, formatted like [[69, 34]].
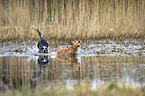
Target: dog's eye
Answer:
[[42, 48]]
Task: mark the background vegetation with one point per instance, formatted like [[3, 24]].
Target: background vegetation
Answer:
[[83, 90], [71, 19]]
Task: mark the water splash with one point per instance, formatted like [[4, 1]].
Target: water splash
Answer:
[[88, 48]]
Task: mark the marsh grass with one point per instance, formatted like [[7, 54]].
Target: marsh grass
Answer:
[[72, 19], [82, 90]]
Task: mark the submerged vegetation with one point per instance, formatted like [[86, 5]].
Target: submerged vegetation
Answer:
[[71, 19], [108, 90]]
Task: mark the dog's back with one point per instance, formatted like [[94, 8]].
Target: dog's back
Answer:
[[70, 50], [42, 42]]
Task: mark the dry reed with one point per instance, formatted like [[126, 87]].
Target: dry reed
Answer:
[[72, 19]]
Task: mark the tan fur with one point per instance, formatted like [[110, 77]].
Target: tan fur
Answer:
[[70, 50]]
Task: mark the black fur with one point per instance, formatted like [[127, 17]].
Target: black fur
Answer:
[[42, 44]]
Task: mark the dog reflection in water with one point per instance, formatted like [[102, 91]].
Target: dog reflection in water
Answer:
[[72, 59], [72, 77], [43, 61]]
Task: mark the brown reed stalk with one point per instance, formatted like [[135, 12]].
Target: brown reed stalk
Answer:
[[72, 19]]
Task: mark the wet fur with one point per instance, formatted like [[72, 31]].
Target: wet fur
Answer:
[[70, 50], [42, 43]]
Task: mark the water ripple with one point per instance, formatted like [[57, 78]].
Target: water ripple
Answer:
[[88, 48]]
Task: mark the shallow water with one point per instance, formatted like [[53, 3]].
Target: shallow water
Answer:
[[88, 48], [99, 63]]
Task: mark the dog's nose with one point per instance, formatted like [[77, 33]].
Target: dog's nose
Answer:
[[44, 51]]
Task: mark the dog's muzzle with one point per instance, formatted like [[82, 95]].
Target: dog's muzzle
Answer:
[[43, 49]]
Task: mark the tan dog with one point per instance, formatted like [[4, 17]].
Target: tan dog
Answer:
[[70, 50]]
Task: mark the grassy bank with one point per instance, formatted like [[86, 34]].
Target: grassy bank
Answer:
[[83, 90], [72, 19]]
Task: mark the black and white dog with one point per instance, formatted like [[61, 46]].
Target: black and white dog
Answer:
[[42, 44]]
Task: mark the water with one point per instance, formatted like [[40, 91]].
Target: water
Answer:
[[99, 63]]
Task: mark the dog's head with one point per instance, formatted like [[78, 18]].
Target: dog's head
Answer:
[[75, 43], [43, 46], [43, 49]]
